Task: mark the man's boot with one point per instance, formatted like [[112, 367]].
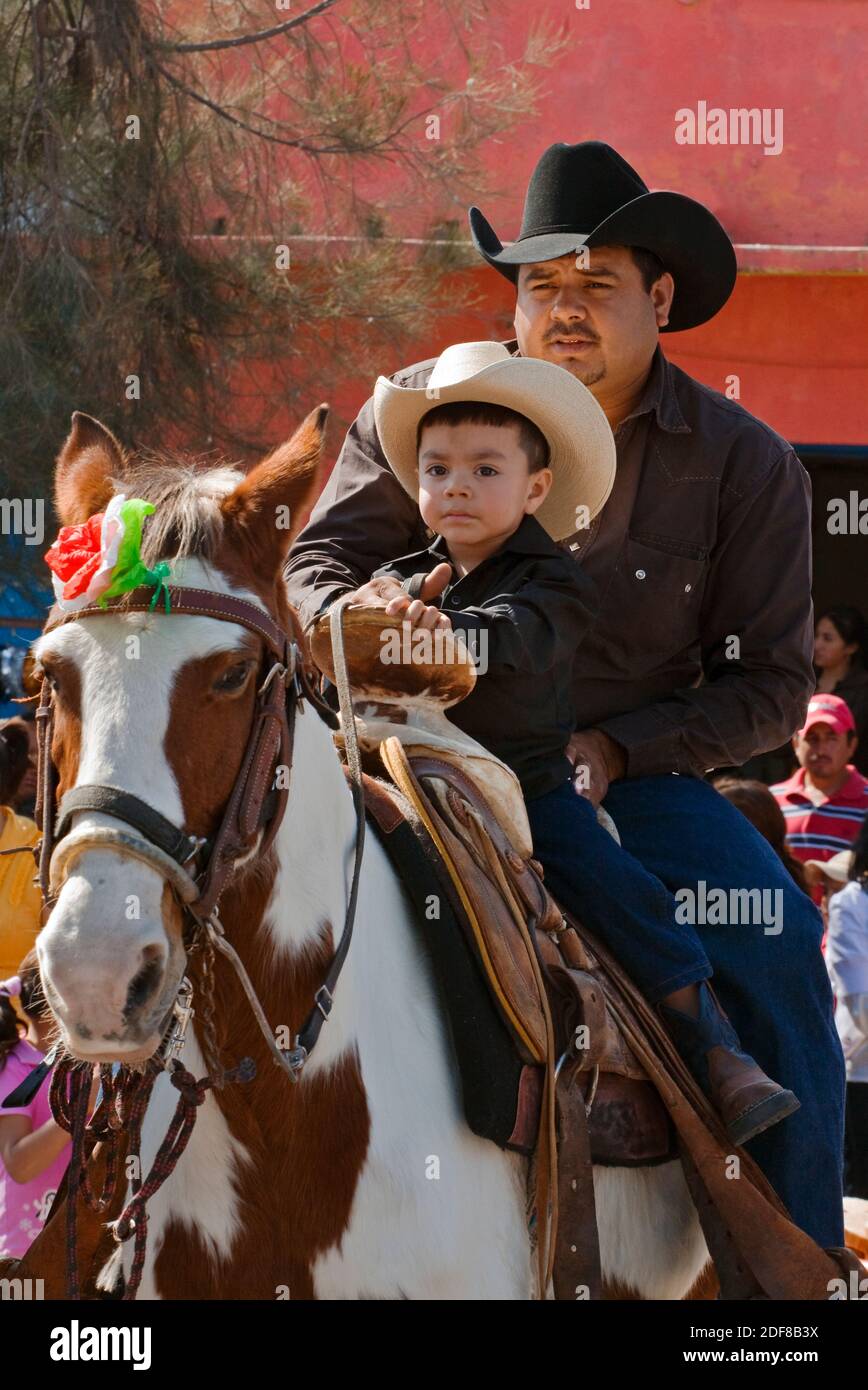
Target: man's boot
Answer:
[[746, 1099]]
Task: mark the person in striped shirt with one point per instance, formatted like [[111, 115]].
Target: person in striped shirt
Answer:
[[826, 799]]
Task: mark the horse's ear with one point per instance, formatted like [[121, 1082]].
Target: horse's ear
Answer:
[[83, 475], [265, 511]]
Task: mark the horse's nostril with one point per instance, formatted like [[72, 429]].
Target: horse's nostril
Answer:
[[145, 982]]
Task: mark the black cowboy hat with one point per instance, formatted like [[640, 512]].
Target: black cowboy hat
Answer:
[[587, 195]]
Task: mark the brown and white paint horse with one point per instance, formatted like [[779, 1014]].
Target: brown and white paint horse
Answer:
[[362, 1181]]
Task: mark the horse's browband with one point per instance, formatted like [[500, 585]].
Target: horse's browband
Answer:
[[203, 603]]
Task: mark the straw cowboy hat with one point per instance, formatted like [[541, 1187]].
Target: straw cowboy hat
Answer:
[[580, 440], [587, 195]]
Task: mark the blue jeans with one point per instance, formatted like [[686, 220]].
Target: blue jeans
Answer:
[[676, 833]]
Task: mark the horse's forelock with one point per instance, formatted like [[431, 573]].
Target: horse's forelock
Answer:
[[187, 496]]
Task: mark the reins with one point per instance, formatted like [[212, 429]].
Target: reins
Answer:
[[255, 805]]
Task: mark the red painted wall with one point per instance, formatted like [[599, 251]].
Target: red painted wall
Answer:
[[631, 64], [798, 341], [794, 332]]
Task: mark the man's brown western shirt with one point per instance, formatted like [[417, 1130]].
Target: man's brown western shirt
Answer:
[[700, 655]]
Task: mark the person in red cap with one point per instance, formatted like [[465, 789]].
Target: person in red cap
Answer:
[[826, 799]]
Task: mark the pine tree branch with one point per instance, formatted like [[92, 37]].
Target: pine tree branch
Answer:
[[215, 44], [226, 115], [298, 144]]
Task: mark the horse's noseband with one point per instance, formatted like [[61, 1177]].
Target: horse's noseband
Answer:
[[197, 868]]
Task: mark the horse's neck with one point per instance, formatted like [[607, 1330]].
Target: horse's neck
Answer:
[[315, 842]]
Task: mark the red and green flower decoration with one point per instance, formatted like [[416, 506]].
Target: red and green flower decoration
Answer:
[[101, 558]]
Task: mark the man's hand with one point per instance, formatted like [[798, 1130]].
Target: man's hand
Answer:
[[597, 760], [386, 592], [377, 592]]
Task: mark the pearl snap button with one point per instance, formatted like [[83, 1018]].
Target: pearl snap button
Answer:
[[687, 588], [640, 574]]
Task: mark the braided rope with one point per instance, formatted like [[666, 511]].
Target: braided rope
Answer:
[[70, 1098], [125, 1100], [133, 1220]]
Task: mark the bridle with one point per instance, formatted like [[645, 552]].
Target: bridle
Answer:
[[196, 868]]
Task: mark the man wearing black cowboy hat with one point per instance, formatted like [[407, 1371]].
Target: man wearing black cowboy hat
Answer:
[[701, 654]]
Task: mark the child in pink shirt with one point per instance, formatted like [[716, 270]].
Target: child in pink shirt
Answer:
[[34, 1151]]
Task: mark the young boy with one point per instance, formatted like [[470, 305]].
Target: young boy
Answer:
[[507, 456]]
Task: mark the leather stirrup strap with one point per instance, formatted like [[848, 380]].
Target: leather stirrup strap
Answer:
[[550, 1188], [577, 1272], [574, 1251], [736, 1280]]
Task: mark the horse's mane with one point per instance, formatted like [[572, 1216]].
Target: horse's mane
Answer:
[[186, 492]]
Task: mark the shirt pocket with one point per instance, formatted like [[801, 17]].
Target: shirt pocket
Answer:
[[652, 608]]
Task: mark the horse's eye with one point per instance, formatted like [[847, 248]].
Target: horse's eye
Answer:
[[233, 678]]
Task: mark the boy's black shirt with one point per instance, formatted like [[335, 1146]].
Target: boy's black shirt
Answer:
[[525, 609]]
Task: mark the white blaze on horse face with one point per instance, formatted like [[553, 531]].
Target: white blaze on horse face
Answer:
[[110, 919]]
